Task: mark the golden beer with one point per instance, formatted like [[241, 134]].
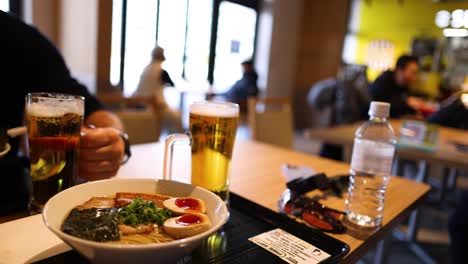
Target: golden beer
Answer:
[[213, 129], [53, 137]]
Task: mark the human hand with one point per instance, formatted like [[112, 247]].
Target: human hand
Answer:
[[415, 102], [101, 153]]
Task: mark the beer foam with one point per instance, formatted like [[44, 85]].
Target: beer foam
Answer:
[[55, 108], [217, 109]]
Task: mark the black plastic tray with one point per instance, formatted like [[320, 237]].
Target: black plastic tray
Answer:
[[231, 244]]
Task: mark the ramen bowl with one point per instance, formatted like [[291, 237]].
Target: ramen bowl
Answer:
[[59, 206]]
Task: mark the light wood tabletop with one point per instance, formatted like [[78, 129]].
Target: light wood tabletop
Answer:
[[445, 153], [256, 175]]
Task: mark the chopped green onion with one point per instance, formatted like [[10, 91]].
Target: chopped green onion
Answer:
[[143, 212]]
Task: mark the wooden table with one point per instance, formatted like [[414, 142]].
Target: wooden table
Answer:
[[256, 175], [445, 153]]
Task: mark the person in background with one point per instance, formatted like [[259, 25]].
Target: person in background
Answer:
[[392, 87], [152, 82], [458, 229], [154, 77], [30, 63], [246, 86], [454, 113]]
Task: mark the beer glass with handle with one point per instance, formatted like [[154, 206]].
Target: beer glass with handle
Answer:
[[54, 124], [213, 127]]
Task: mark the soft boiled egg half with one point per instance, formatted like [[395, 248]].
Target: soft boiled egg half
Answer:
[[185, 205], [187, 225]]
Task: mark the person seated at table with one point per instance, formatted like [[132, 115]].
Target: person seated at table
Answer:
[[453, 113], [246, 86], [393, 87], [152, 82], [458, 229], [31, 63]]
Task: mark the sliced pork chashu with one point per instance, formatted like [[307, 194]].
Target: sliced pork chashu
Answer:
[[123, 198], [97, 202]]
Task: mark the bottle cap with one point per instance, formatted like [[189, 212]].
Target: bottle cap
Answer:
[[379, 109]]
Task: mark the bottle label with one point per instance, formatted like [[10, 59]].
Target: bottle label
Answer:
[[372, 157]]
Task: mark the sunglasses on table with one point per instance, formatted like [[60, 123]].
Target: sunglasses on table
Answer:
[[313, 213]]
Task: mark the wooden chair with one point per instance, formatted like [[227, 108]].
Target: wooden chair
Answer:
[[270, 120], [141, 116]]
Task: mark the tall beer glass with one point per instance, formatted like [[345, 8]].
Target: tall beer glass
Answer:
[[213, 127], [54, 123]]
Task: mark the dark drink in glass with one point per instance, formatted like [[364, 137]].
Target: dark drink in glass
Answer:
[[54, 123]]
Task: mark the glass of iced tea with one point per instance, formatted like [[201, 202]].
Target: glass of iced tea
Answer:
[[213, 127], [54, 124]]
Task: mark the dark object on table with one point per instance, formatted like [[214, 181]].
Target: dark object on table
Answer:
[[462, 147], [312, 212], [303, 185], [320, 181], [14, 197], [231, 244], [96, 224]]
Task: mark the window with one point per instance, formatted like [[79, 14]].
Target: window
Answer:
[[5, 5], [197, 50], [140, 39], [11, 6], [198, 41], [171, 34], [235, 43], [116, 42]]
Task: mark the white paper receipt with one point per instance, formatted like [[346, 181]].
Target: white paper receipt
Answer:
[[289, 248]]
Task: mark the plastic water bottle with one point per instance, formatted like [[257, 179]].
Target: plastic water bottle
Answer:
[[371, 163]]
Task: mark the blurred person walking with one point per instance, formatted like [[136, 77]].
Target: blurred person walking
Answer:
[[152, 82]]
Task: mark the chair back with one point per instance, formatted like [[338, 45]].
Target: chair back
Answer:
[[271, 120], [141, 116]]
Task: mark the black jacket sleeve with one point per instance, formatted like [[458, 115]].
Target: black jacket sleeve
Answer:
[[383, 89], [166, 79], [453, 115]]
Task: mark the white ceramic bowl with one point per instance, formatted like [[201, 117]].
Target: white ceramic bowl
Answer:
[[58, 207]]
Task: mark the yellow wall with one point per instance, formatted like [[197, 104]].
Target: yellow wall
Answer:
[[398, 21]]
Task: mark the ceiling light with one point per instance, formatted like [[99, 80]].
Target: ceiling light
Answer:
[[455, 32]]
